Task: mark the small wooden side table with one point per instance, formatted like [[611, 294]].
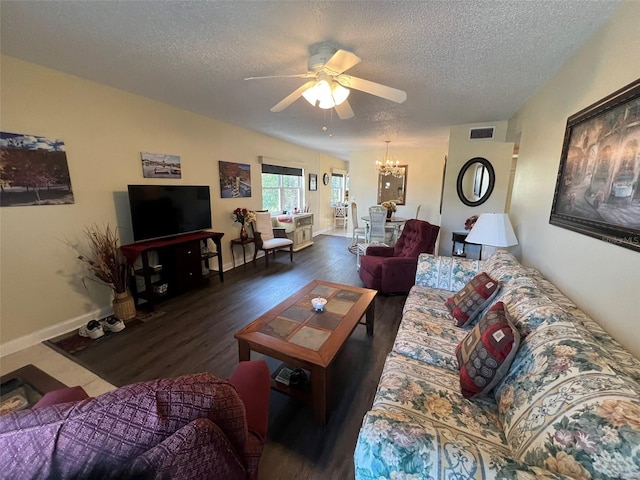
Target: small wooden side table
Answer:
[[243, 244], [460, 244]]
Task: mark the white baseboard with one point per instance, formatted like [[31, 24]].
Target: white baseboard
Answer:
[[53, 331]]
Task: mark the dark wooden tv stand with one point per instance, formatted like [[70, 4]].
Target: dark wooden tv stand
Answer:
[[182, 264]]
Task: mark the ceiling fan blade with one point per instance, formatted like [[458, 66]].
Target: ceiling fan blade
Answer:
[[299, 75], [344, 110], [373, 88], [341, 61], [292, 97]]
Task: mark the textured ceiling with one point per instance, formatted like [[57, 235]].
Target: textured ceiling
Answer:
[[459, 61]]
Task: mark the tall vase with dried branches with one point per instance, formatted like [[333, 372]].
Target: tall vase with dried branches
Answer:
[[110, 267]]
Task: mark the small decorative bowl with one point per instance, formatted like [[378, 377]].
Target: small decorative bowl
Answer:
[[318, 303]]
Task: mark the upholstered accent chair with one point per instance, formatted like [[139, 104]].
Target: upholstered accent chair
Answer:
[[191, 427], [269, 238], [393, 269]]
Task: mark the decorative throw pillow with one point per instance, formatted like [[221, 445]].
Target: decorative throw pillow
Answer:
[[467, 304], [486, 353]]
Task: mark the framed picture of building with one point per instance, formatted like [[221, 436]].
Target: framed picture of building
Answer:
[[597, 189]]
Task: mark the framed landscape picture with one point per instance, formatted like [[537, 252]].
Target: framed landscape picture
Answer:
[[33, 171], [597, 189]]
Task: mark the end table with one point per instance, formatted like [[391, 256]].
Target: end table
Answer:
[[243, 244], [460, 244]]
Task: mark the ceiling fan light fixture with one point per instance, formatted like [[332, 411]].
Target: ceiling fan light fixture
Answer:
[[329, 87], [323, 93], [340, 93], [326, 94], [319, 94], [310, 96]]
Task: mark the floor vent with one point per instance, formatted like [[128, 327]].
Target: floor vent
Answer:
[[481, 133]]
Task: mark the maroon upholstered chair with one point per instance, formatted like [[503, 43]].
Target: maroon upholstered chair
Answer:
[[393, 269], [191, 427]]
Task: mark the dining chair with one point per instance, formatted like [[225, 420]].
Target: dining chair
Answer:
[[357, 231], [377, 224], [340, 216]]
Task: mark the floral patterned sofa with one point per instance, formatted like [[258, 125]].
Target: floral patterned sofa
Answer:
[[568, 408]]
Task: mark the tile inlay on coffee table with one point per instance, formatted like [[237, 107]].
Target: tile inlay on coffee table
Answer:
[[295, 333]]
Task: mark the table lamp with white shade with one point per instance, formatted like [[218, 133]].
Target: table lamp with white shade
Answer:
[[493, 229]]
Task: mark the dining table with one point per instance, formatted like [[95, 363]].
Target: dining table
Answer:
[[394, 224]]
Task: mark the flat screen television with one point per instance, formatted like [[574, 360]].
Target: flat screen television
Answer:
[[164, 210]]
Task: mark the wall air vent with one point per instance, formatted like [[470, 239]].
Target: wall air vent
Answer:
[[481, 133]]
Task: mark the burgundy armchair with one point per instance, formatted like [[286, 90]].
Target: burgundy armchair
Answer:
[[191, 427], [393, 269]]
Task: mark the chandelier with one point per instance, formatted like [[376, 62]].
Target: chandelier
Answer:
[[387, 165]]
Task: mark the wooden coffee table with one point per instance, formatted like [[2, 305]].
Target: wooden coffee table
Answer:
[[294, 333], [24, 387]]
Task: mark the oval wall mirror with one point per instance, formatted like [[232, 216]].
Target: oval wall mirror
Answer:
[[476, 181]]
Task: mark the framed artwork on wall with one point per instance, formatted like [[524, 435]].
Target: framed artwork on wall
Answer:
[[33, 171], [160, 165], [598, 185], [235, 179], [313, 182]]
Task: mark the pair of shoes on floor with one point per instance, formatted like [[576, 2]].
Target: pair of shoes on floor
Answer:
[[112, 324], [95, 329]]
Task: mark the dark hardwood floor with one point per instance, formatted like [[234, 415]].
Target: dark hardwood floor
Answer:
[[196, 334]]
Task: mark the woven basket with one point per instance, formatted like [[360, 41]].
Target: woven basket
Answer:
[[124, 308]]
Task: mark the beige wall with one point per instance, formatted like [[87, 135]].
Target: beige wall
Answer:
[[461, 149], [603, 279], [104, 131], [324, 222], [424, 180]]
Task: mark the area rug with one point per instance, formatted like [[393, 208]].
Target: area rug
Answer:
[[72, 343]]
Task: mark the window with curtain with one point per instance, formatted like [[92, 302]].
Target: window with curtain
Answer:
[[282, 188], [337, 188]]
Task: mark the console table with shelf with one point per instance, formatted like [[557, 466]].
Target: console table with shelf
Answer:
[[182, 264]]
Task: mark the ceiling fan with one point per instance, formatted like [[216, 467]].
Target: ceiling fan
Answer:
[[328, 86]]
